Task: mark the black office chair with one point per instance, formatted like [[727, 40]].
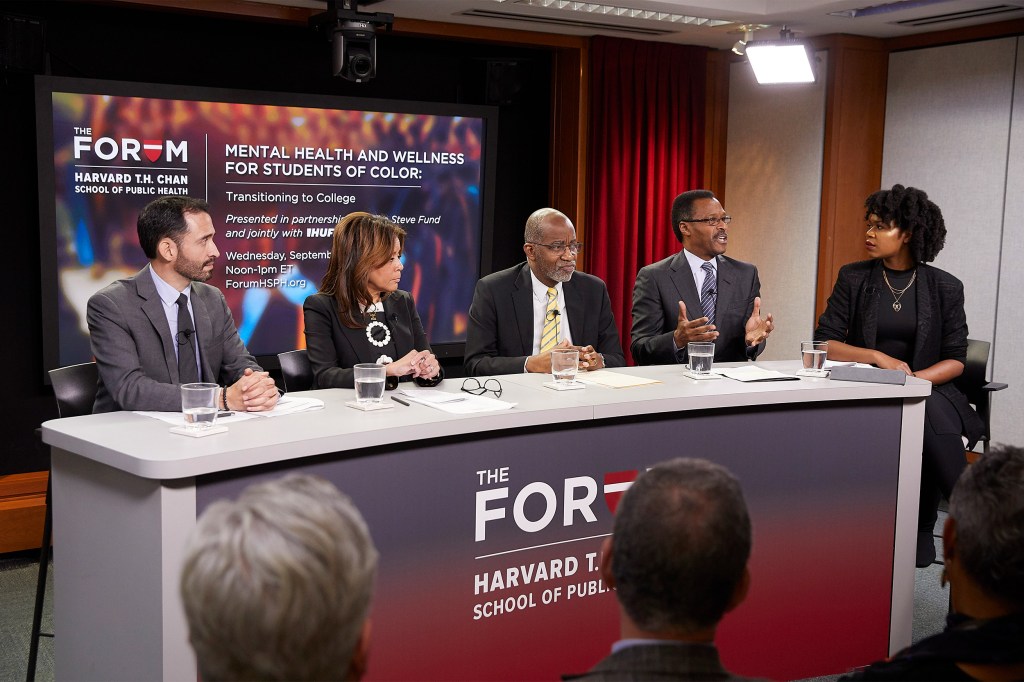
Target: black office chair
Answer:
[[74, 387], [296, 370], [975, 385]]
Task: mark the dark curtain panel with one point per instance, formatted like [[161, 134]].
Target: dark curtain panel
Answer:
[[646, 146]]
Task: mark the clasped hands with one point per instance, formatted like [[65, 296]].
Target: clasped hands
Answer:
[[421, 364], [755, 330], [253, 392], [590, 359]]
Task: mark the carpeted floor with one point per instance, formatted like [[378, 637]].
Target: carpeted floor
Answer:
[[18, 574], [18, 587]]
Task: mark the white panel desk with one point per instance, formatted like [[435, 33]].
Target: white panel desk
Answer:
[[126, 493]]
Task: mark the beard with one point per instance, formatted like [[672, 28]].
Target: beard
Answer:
[[560, 275], [193, 270]]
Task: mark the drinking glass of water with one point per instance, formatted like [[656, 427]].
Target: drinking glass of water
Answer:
[[565, 362], [701, 354], [199, 405], [369, 380], [812, 355]]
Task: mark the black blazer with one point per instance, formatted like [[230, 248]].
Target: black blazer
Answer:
[[334, 348], [659, 288], [852, 317], [500, 333]]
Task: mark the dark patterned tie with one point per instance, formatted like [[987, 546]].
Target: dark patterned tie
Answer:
[[708, 293], [188, 371]]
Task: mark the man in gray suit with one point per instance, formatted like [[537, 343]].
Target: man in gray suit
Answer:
[[512, 308], [163, 327], [677, 559], [699, 294]]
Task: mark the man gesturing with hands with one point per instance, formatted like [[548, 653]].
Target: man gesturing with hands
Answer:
[[698, 294]]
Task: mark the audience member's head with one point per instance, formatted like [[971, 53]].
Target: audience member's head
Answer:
[[678, 554], [984, 535], [277, 585]]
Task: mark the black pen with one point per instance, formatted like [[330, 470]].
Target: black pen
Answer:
[[399, 400], [225, 414]]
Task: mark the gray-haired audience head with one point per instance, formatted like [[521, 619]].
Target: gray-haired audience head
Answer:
[[680, 546], [682, 208], [987, 508], [277, 585], [534, 231]]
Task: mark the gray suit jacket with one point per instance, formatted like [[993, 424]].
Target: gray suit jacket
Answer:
[[134, 347], [659, 288], [500, 333], [652, 662]]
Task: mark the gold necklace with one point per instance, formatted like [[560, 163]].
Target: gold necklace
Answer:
[[898, 293]]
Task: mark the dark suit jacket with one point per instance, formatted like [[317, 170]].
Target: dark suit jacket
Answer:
[[334, 348], [134, 347], [500, 334], [852, 317], [659, 288], [676, 661]]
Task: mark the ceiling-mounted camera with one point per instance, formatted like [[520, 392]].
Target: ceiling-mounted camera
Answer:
[[353, 36]]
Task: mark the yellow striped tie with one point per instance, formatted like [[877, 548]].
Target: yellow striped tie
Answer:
[[549, 336]]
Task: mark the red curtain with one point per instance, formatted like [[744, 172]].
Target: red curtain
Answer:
[[646, 147]]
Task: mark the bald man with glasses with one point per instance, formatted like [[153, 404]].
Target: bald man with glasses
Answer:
[[699, 294], [520, 314]]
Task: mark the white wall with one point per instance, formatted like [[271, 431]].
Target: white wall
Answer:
[[773, 192], [1008, 405], [948, 131]]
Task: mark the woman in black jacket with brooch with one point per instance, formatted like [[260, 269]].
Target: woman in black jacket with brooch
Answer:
[[360, 314], [897, 312]]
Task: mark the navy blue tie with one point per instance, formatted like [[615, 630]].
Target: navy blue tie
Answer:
[[708, 293], [188, 371]]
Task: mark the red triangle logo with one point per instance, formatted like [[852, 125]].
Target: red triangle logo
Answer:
[[616, 483], [152, 149]]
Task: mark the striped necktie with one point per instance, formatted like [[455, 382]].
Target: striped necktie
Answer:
[[708, 293], [549, 335]]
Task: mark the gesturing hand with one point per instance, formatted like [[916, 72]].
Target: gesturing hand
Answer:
[[757, 328], [688, 330]]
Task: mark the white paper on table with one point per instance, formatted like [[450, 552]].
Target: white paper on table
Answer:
[[829, 364], [613, 379], [752, 373], [431, 396], [463, 405], [285, 405], [178, 419], [289, 405]]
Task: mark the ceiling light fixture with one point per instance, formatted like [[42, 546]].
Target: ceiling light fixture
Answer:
[[786, 60], [740, 46], [622, 12]]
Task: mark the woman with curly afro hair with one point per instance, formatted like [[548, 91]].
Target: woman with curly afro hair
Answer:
[[895, 311]]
